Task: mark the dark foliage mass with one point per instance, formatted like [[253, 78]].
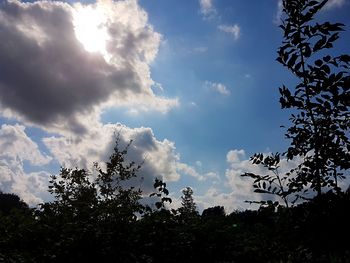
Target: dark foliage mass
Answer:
[[99, 216], [94, 230], [9, 202]]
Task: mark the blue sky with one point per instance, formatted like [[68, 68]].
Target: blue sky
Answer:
[[193, 83]]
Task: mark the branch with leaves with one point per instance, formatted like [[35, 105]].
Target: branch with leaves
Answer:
[[273, 183], [320, 102]]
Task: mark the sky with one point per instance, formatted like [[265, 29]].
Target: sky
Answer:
[[194, 84]]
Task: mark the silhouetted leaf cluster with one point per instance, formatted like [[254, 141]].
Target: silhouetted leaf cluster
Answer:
[[320, 108]]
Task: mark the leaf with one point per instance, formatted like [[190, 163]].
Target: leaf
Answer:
[[292, 60], [327, 58], [307, 50], [261, 191], [319, 44], [319, 63], [167, 199], [326, 69], [298, 66], [279, 59], [345, 58]]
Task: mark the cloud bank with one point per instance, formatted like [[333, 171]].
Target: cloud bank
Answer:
[[158, 158]]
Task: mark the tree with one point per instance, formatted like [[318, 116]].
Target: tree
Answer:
[[74, 193], [319, 132], [161, 193], [92, 213], [117, 197], [275, 183], [188, 205], [213, 212], [9, 202], [319, 104]]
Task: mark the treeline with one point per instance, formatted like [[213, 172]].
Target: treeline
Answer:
[[315, 231], [100, 218]]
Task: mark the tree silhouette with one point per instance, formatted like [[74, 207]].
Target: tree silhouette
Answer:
[[116, 197], [275, 183], [9, 202], [161, 193], [212, 212], [321, 100], [188, 205], [319, 104]]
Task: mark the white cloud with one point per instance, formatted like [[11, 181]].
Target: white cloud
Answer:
[[62, 81], [233, 30], [234, 156], [17, 147], [159, 158], [207, 8], [186, 169], [335, 4], [218, 87], [189, 170], [215, 197], [31, 187], [278, 16]]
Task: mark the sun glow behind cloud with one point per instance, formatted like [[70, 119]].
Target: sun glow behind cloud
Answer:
[[89, 26]]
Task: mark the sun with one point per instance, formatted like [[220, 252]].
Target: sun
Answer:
[[90, 29]]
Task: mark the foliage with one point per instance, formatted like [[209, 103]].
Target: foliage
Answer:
[[321, 122], [189, 207], [320, 118], [161, 192], [214, 212], [84, 225], [275, 184], [9, 202]]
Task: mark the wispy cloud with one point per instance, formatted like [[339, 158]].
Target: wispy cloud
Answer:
[[335, 4], [233, 30], [277, 18], [207, 8], [191, 171], [200, 49], [218, 87]]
